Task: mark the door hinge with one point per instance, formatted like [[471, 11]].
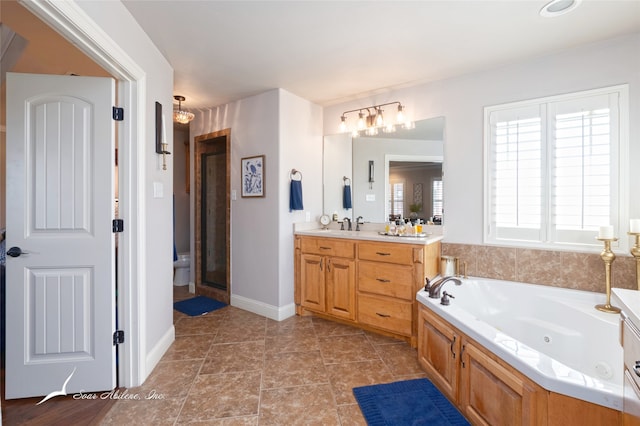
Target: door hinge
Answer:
[[118, 337], [117, 225], [118, 113]]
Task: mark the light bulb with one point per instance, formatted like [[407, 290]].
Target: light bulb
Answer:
[[379, 118], [343, 124], [400, 118], [361, 123]]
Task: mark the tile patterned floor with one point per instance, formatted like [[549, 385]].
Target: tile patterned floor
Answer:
[[233, 367]]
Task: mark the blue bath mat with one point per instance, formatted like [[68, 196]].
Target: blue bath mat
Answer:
[[198, 305], [410, 402]]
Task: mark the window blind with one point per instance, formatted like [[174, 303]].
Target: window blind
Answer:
[[396, 201], [552, 168], [436, 197]]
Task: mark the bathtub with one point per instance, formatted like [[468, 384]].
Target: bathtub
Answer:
[[554, 336]]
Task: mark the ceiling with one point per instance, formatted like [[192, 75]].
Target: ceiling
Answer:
[[333, 51], [330, 51]]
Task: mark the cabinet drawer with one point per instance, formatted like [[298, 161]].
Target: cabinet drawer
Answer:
[[329, 246], [386, 279], [390, 253], [387, 314]]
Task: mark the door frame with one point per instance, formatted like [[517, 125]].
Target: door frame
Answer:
[[70, 21]]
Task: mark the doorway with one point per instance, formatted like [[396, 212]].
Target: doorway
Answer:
[[212, 169]]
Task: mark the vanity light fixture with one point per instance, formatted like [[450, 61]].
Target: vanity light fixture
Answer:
[[179, 115], [371, 119], [558, 7]]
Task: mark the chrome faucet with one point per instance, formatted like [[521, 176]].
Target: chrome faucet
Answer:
[[346, 219], [434, 289], [358, 222]]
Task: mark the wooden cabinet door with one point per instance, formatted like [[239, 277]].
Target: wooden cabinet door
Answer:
[[341, 287], [490, 394], [312, 286], [438, 352]]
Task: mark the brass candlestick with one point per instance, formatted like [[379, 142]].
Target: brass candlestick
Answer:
[[635, 251], [608, 257]]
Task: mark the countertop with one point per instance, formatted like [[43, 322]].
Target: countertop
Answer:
[[628, 301], [369, 236]]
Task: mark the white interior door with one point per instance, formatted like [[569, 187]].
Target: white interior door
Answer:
[[60, 203]]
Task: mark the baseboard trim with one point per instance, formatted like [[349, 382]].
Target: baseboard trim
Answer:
[[274, 312], [160, 348]]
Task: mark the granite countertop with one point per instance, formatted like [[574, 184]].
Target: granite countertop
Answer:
[[369, 235], [629, 302]]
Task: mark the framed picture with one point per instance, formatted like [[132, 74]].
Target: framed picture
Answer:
[[253, 176]]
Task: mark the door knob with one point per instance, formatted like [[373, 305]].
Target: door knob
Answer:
[[15, 252]]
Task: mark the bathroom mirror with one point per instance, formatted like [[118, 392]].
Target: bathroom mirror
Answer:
[[412, 156]]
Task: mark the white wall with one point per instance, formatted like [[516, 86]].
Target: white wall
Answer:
[[300, 149], [151, 218], [461, 101], [287, 130]]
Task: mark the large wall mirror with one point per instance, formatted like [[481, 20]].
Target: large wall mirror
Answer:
[[389, 174]]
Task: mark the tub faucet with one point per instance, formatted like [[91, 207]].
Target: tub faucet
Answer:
[[434, 289]]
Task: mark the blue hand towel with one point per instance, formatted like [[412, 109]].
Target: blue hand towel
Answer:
[[346, 197], [295, 197]]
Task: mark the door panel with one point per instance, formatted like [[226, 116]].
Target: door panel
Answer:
[[60, 203]]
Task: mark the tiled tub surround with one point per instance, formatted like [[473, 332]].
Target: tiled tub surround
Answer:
[[580, 271]]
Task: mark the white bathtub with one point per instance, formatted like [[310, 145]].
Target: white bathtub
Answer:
[[552, 335]]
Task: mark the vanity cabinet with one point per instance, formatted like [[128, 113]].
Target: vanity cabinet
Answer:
[[386, 286], [369, 284], [439, 352], [486, 391], [328, 277]]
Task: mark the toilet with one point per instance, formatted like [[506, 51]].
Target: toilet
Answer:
[[183, 269]]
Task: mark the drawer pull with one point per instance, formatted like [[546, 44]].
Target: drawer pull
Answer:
[[380, 253], [383, 315], [636, 368], [383, 280], [325, 248], [453, 342]]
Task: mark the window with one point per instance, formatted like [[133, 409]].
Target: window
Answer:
[[436, 197], [396, 201], [554, 174]]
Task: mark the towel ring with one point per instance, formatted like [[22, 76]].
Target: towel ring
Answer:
[[295, 172], [345, 179]]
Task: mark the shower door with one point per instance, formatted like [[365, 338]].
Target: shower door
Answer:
[[212, 215]]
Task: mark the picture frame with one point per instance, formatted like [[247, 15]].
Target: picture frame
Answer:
[[253, 176]]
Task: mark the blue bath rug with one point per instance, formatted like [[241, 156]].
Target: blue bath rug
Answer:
[[198, 305], [410, 402]]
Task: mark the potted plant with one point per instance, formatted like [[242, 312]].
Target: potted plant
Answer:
[[414, 209]]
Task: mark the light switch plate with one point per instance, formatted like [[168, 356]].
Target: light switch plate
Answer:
[[370, 197], [158, 190]]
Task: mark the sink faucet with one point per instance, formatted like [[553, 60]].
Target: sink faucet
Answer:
[[434, 289], [346, 219], [358, 222]]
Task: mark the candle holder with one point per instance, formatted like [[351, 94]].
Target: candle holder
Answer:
[[165, 152], [635, 252], [607, 257]]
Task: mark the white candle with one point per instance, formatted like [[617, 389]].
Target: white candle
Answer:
[[634, 226], [606, 232], [164, 131]]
